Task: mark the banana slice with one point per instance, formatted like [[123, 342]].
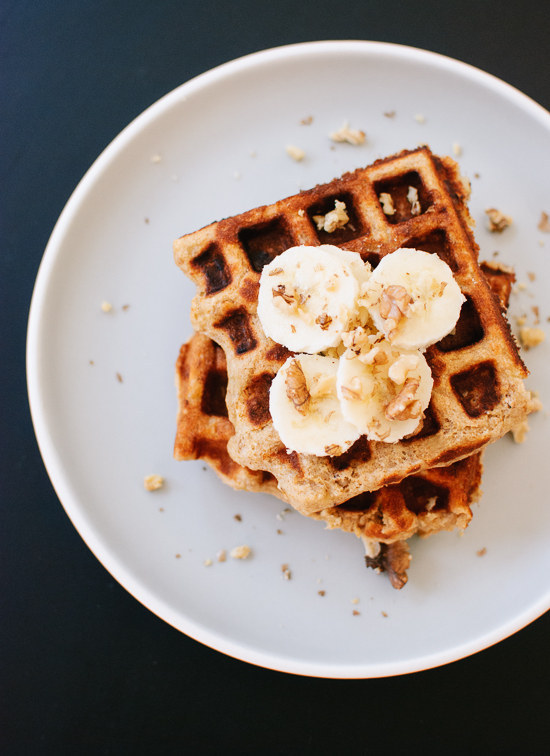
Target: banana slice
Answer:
[[384, 391], [305, 409], [413, 298], [308, 296]]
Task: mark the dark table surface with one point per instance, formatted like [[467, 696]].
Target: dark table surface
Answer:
[[85, 667]]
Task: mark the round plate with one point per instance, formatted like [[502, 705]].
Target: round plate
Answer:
[[101, 384]]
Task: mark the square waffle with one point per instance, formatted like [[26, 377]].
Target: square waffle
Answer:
[[438, 499], [478, 392]]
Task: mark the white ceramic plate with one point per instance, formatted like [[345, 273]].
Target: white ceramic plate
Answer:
[[214, 147]]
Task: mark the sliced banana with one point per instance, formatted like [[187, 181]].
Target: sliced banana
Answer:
[[308, 296], [305, 409], [413, 298], [384, 391]]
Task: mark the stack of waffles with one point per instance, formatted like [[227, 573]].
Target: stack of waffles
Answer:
[[382, 492]]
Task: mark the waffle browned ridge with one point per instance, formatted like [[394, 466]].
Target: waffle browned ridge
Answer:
[[478, 391]]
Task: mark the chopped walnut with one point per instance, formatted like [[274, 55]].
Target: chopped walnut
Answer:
[[531, 337], [286, 572], [419, 118], [333, 450], [288, 297], [276, 272], [153, 482], [481, 552], [296, 386], [405, 406], [221, 556], [307, 121], [240, 552], [394, 305], [497, 220], [323, 321], [414, 202], [354, 390], [351, 136], [386, 200], [295, 153], [207, 562], [544, 223], [106, 306], [394, 558], [334, 219]]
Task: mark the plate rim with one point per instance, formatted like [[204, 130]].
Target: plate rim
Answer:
[[69, 499]]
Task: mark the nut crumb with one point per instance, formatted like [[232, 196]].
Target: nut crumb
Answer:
[[346, 134], [481, 552], [384, 614], [178, 556], [355, 601], [240, 552], [356, 613], [544, 223], [238, 517], [457, 149], [221, 556], [153, 482], [386, 200], [106, 306], [207, 562], [279, 531], [119, 378], [307, 121], [91, 362], [389, 114], [321, 593], [125, 307], [287, 575], [334, 219], [498, 221], [419, 118], [296, 153], [531, 337], [531, 276], [146, 221]]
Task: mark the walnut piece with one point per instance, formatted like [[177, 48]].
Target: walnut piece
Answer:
[[414, 202], [497, 220], [153, 482], [405, 406], [240, 552], [544, 223], [295, 153], [386, 200], [394, 305], [334, 219], [323, 321], [351, 136], [393, 558], [296, 386]]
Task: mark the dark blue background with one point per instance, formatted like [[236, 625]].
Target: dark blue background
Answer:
[[84, 667]]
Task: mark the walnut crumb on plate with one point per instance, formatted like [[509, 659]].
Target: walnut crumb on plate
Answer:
[[153, 482], [498, 221], [544, 223], [240, 552], [106, 306], [349, 135], [531, 337], [296, 153]]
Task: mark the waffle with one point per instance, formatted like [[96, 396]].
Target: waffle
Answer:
[[478, 392]]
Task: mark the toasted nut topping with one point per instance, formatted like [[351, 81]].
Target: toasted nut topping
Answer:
[[295, 152], [394, 304], [276, 272], [405, 406], [497, 220], [296, 386], [531, 337], [323, 321], [414, 202], [334, 219], [333, 450], [386, 201], [288, 298], [240, 552], [345, 134], [153, 482], [544, 223]]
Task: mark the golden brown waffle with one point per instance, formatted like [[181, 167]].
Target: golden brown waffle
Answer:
[[434, 500], [203, 426], [478, 391]]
